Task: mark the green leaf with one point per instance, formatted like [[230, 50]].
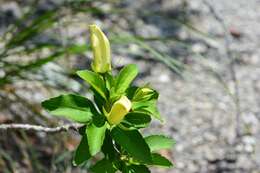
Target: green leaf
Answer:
[[138, 169], [158, 142], [96, 137], [94, 80], [125, 78], [71, 106], [130, 92], [125, 169], [108, 147], [103, 166], [99, 101], [99, 120], [109, 81], [82, 153], [137, 118], [159, 160], [148, 107], [133, 142]]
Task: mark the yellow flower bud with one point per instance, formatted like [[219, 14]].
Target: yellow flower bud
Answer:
[[119, 109], [101, 50]]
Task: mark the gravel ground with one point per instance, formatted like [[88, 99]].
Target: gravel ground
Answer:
[[200, 113], [200, 108]]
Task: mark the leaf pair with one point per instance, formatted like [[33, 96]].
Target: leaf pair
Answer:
[[140, 149], [156, 143], [119, 84]]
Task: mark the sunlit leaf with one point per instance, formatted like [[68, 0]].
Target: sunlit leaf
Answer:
[[125, 78], [158, 142], [71, 106], [95, 137], [94, 80], [159, 160]]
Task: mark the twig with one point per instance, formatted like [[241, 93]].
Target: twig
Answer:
[[38, 128], [232, 69]]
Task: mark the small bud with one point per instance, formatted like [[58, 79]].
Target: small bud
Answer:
[[119, 109], [144, 94], [101, 50]]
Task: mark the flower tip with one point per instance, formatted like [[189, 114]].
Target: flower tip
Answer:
[[92, 27], [101, 50]]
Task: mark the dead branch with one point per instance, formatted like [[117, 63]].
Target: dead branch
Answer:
[[38, 128]]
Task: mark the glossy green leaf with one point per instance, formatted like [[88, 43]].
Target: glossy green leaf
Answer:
[[82, 153], [133, 142], [159, 160], [125, 78], [130, 92], [125, 169], [99, 120], [110, 81], [94, 80], [158, 142], [108, 147], [103, 166], [99, 100], [95, 137], [137, 118], [71, 106], [148, 107]]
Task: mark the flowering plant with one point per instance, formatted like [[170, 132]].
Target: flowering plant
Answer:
[[111, 122]]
